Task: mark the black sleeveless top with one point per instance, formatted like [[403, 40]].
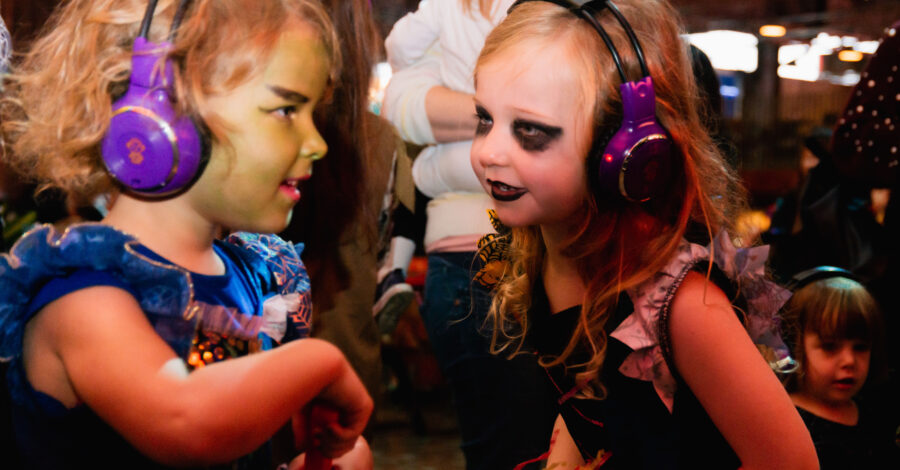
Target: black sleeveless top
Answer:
[[631, 428]]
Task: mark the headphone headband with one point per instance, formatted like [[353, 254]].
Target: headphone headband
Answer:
[[587, 9], [805, 278], [636, 162]]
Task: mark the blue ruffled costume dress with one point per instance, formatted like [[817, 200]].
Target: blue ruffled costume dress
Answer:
[[262, 300]]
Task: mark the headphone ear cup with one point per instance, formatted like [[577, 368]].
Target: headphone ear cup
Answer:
[[636, 168], [636, 164], [148, 148]]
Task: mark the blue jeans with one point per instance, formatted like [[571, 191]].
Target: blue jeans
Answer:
[[504, 406]]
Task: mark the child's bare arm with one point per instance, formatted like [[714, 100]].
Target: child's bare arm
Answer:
[[114, 361], [744, 398]]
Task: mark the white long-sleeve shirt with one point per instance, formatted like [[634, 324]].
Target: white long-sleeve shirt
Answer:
[[460, 35], [438, 45]]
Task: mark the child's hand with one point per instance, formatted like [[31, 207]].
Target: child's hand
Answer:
[[335, 436], [358, 458]]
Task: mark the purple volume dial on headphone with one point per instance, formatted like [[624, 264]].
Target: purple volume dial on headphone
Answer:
[[638, 158], [149, 149]]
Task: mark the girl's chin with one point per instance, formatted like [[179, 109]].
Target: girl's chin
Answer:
[[512, 218], [264, 226]]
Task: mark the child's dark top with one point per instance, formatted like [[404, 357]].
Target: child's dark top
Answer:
[[649, 418]]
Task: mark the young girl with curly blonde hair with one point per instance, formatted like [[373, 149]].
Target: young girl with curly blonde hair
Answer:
[[144, 340]]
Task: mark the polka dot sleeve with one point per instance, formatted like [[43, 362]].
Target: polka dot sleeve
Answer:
[[866, 141]]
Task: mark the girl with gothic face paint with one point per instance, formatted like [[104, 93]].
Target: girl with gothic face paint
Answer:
[[636, 318]]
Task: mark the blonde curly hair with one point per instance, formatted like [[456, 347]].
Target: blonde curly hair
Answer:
[[617, 245], [58, 99]]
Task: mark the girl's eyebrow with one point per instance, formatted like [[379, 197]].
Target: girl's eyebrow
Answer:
[[289, 95]]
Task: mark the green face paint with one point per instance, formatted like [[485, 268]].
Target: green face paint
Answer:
[[251, 181]]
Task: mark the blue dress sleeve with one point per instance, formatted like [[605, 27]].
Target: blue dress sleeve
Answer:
[[45, 264], [80, 279], [282, 260]]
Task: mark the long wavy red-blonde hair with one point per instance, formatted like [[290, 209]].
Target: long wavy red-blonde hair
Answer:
[[616, 245], [59, 98]]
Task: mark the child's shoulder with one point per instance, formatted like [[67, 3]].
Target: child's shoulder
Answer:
[[44, 254], [743, 270]]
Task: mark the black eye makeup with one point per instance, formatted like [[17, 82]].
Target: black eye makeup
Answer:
[[484, 121], [534, 137]]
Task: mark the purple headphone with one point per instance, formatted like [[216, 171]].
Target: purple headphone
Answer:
[[148, 148], [636, 162]]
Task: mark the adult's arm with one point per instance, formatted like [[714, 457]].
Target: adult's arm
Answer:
[[404, 98], [736, 387], [412, 35], [423, 110], [115, 363], [451, 114]]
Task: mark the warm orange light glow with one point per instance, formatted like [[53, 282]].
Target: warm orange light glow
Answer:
[[772, 31], [848, 55], [749, 226]]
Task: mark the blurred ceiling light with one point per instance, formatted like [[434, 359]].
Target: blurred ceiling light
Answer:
[[791, 52], [848, 55], [868, 47], [848, 78], [772, 31], [799, 62], [826, 43], [728, 50]]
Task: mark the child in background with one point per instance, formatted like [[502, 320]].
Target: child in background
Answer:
[[144, 341], [836, 330], [650, 361]]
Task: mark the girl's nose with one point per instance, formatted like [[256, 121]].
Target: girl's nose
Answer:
[[489, 150], [314, 146], [847, 356]]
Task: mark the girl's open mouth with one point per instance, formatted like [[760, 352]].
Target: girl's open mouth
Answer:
[[290, 188], [845, 383], [504, 192]]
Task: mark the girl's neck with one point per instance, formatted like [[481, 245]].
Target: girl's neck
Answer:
[[562, 282], [845, 413], [169, 229]]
